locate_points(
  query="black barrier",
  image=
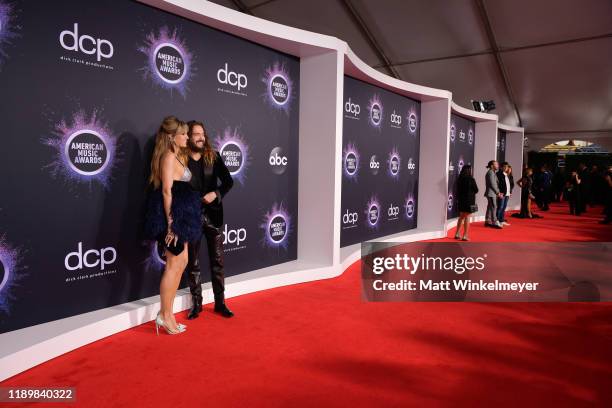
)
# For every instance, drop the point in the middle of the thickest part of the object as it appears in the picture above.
(85, 86)
(461, 152)
(380, 162)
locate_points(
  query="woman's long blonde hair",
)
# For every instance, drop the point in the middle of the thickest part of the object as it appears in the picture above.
(170, 126)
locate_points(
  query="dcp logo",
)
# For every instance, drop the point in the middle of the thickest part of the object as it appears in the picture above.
(393, 211)
(90, 259)
(352, 108)
(374, 164)
(350, 218)
(72, 41)
(278, 161)
(396, 119)
(461, 135)
(234, 236)
(227, 77)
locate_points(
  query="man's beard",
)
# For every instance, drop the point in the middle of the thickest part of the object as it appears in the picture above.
(195, 148)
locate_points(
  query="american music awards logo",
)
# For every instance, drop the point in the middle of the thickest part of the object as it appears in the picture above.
(277, 227)
(375, 110)
(471, 136)
(350, 161)
(394, 163)
(11, 272)
(413, 121)
(372, 213)
(169, 61)
(460, 164)
(450, 202)
(85, 149)
(409, 208)
(8, 29)
(279, 87)
(453, 132)
(234, 151)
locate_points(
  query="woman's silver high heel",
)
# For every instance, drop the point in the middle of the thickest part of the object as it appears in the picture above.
(160, 322)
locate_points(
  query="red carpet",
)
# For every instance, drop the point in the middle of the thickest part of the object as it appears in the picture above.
(318, 344)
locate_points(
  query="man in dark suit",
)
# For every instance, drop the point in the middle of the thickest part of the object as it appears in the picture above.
(505, 183)
(212, 179)
(492, 193)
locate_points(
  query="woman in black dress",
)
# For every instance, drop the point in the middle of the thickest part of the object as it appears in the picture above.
(173, 213)
(466, 200)
(526, 185)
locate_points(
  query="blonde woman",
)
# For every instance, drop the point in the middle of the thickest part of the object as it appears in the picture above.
(173, 213)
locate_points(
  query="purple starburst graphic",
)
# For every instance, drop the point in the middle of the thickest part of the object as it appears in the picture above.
(154, 261)
(8, 30)
(84, 150)
(277, 227)
(409, 207)
(350, 161)
(12, 271)
(169, 61)
(234, 151)
(394, 163)
(375, 110)
(460, 164)
(412, 123)
(453, 132)
(279, 87)
(372, 212)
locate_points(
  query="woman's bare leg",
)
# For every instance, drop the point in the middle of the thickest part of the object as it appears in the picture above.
(175, 265)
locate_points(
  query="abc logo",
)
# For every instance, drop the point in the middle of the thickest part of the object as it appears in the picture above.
(234, 236)
(374, 164)
(71, 41)
(352, 108)
(350, 218)
(278, 161)
(89, 259)
(224, 76)
(393, 211)
(376, 113)
(412, 122)
(411, 165)
(396, 119)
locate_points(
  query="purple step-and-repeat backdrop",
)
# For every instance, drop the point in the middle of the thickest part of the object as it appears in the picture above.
(85, 86)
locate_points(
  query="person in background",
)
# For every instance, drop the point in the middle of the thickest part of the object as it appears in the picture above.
(608, 197)
(584, 187)
(573, 193)
(492, 193)
(466, 200)
(526, 183)
(542, 185)
(558, 184)
(506, 184)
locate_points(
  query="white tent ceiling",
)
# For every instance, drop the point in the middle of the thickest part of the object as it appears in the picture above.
(547, 64)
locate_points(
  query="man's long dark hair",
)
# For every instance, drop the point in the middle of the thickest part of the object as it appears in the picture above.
(466, 171)
(208, 152)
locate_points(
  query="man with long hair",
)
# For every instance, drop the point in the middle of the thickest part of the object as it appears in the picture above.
(212, 180)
